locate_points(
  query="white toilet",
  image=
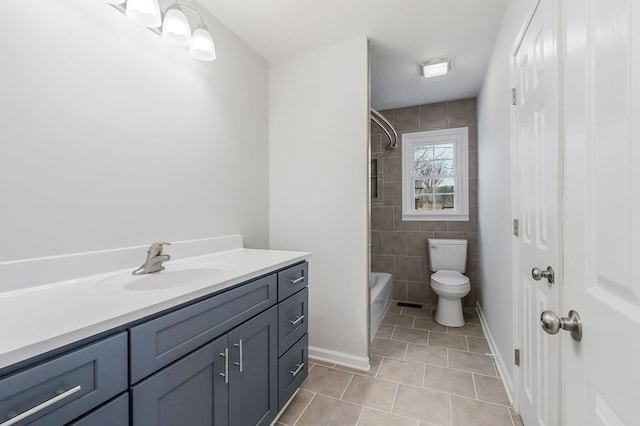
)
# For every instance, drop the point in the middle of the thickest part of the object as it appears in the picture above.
(448, 259)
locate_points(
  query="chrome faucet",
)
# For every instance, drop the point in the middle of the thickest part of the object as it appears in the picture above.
(154, 259)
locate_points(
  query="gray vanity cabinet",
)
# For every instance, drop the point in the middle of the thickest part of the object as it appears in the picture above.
(231, 359)
(230, 381)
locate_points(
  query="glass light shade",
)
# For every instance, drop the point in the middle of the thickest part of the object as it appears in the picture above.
(202, 47)
(144, 12)
(435, 67)
(175, 27)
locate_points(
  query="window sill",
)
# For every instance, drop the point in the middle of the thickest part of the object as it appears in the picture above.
(436, 217)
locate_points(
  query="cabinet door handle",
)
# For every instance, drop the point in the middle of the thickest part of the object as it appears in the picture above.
(41, 406)
(297, 320)
(225, 355)
(239, 364)
(300, 367)
(297, 280)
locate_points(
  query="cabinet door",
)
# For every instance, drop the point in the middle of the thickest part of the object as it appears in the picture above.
(190, 392)
(253, 381)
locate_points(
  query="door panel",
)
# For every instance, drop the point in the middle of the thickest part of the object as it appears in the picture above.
(602, 187)
(253, 392)
(538, 245)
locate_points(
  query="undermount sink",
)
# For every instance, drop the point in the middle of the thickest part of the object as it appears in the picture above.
(173, 276)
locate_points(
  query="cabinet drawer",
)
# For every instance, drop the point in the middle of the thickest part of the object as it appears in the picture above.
(293, 315)
(114, 413)
(292, 370)
(68, 386)
(163, 340)
(292, 280)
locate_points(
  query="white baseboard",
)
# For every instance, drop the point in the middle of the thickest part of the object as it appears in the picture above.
(339, 358)
(500, 363)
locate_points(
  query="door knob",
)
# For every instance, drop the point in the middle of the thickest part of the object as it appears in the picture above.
(539, 274)
(551, 324)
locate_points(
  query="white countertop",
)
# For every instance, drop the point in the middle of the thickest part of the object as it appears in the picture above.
(43, 316)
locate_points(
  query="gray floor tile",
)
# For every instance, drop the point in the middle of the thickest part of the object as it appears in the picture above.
(395, 319)
(416, 312)
(450, 381)
(427, 355)
(448, 341)
(410, 335)
(422, 404)
(468, 329)
(296, 407)
(370, 392)
(478, 345)
(325, 411)
(385, 331)
(409, 373)
(390, 348)
(428, 324)
(327, 381)
(491, 389)
(473, 363)
(377, 418)
(467, 412)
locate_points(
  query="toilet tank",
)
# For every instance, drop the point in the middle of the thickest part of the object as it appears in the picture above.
(450, 255)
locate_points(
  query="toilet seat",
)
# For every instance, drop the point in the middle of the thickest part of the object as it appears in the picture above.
(449, 278)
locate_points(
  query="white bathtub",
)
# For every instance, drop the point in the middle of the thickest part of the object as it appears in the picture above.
(381, 288)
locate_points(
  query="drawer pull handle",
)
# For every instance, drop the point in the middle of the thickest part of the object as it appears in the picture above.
(225, 354)
(295, 373)
(297, 280)
(297, 320)
(41, 406)
(237, 345)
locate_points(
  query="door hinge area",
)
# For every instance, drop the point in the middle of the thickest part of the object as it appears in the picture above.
(515, 227)
(516, 356)
(514, 96)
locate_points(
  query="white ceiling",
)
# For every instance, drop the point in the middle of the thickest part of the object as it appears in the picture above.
(401, 32)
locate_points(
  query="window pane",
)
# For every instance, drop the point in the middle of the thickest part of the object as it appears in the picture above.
(424, 202)
(424, 153)
(443, 152)
(444, 198)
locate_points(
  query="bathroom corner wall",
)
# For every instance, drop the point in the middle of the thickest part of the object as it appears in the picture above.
(400, 247)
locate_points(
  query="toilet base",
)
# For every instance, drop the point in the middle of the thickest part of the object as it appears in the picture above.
(449, 312)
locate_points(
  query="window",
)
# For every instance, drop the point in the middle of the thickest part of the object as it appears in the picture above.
(435, 174)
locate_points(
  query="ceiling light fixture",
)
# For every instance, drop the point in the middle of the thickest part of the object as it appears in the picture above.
(434, 67)
(174, 27)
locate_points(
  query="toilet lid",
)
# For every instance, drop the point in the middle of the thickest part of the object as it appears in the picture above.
(450, 278)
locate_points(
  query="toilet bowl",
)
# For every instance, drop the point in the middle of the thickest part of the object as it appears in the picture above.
(451, 287)
(447, 259)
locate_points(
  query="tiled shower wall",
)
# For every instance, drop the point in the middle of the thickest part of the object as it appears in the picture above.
(400, 247)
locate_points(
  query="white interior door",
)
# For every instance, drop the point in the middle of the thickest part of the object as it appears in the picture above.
(602, 210)
(537, 198)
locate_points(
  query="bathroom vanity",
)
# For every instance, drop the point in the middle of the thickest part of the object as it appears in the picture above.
(226, 348)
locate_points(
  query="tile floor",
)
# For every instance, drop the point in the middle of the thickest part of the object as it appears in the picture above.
(422, 374)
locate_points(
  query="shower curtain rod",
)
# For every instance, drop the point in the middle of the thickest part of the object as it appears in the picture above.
(386, 127)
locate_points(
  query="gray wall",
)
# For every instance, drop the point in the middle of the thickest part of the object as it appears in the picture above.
(400, 247)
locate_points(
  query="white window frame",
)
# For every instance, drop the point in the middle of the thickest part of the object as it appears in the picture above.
(459, 136)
